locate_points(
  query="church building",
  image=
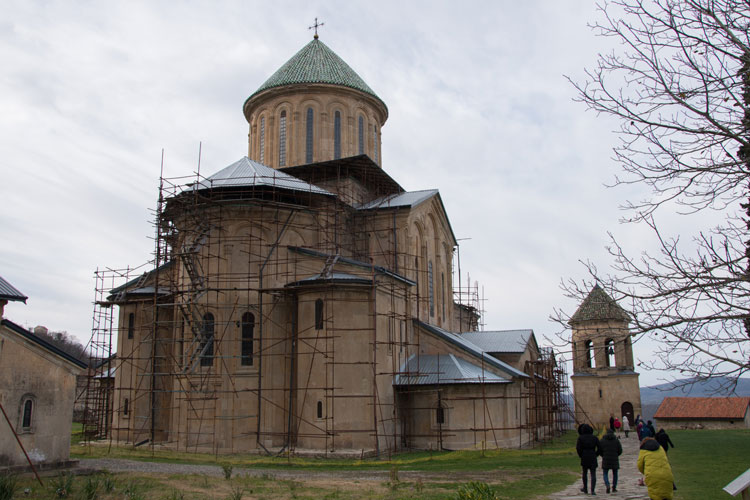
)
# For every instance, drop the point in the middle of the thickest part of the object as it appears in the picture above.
(302, 300)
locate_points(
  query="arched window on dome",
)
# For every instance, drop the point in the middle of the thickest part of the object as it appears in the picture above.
(282, 139)
(263, 139)
(337, 135)
(361, 135)
(309, 136)
(375, 143)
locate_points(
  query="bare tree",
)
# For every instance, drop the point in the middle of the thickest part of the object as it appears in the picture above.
(680, 84)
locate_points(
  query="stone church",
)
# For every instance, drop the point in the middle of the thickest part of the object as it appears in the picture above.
(302, 300)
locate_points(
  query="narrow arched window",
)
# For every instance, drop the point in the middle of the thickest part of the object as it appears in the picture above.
(320, 409)
(442, 287)
(263, 139)
(440, 415)
(609, 346)
(590, 358)
(337, 135)
(131, 325)
(361, 135)
(248, 327)
(126, 407)
(207, 340)
(282, 139)
(431, 288)
(319, 314)
(28, 409)
(375, 143)
(309, 136)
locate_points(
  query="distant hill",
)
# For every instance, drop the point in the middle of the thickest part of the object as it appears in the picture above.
(651, 397)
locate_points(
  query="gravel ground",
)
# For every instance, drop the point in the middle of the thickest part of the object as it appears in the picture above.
(123, 465)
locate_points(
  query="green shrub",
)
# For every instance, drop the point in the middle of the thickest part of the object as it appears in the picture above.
(108, 483)
(475, 491)
(8, 486)
(175, 495)
(62, 484)
(227, 468)
(236, 494)
(91, 488)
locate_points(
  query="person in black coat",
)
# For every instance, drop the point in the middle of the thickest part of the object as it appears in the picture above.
(648, 430)
(611, 449)
(663, 439)
(588, 449)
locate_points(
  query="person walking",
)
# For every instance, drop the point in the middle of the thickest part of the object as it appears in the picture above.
(651, 431)
(639, 430)
(625, 425)
(617, 425)
(587, 448)
(611, 449)
(654, 465)
(612, 421)
(663, 439)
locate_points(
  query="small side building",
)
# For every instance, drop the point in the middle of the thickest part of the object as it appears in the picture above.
(37, 389)
(703, 413)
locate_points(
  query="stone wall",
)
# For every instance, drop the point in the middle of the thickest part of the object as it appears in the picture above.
(28, 372)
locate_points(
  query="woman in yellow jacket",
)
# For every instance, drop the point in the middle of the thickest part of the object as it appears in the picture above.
(653, 463)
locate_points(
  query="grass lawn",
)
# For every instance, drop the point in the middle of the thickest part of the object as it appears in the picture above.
(705, 461)
(512, 474)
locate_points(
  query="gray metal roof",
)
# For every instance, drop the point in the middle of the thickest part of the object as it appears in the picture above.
(246, 172)
(342, 278)
(500, 341)
(434, 369)
(353, 262)
(9, 292)
(408, 199)
(472, 349)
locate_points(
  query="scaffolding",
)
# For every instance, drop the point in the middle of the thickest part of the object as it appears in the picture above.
(272, 309)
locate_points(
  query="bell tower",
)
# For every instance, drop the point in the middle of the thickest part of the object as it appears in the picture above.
(604, 379)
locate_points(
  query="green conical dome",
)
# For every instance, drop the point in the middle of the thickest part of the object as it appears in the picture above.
(316, 63)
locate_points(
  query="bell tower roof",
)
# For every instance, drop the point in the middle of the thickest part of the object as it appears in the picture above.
(599, 306)
(316, 63)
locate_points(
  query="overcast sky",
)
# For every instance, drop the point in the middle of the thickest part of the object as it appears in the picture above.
(90, 93)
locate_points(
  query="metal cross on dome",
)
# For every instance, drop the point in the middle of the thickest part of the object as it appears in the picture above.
(315, 26)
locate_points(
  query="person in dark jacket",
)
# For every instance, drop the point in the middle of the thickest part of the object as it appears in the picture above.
(647, 430)
(588, 449)
(651, 430)
(663, 439)
(611, 449)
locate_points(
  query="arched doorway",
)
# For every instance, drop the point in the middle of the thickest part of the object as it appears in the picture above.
(626, 409)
